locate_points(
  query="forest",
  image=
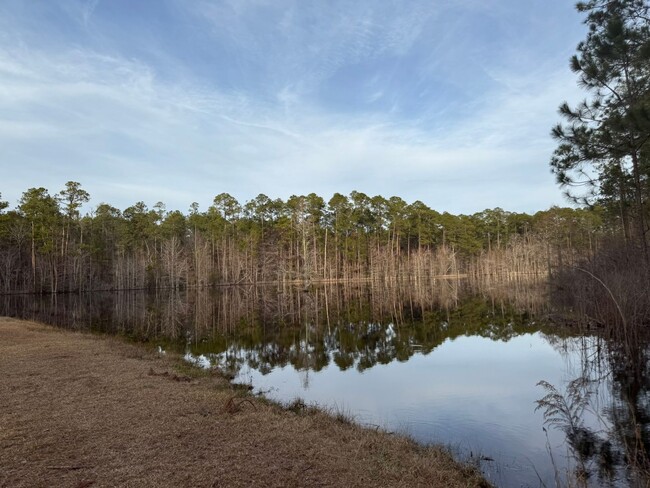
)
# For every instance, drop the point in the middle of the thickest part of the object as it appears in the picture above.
(47, 246)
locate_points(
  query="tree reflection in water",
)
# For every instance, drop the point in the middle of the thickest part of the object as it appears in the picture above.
(265, 327)
(604, 411)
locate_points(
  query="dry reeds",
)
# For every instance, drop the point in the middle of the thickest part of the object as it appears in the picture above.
(610, 291)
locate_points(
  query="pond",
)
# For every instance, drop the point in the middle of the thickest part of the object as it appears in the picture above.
(443, 363)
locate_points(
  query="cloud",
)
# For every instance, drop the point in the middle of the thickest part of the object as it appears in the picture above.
(127, 132)
(304, 44)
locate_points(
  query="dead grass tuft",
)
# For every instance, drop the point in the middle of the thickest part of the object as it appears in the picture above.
(173, 377)
(234, 405)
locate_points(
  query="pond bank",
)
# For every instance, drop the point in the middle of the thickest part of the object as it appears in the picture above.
(82, 410)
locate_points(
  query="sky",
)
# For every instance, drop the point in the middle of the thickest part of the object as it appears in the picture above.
(449, 102)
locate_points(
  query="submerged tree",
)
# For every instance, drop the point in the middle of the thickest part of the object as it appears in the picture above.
(603, 145)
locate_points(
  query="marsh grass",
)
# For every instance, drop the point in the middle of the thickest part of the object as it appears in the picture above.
(341, 414)
(608, 295)
(608, 291)
(604, 454)
(565, 411)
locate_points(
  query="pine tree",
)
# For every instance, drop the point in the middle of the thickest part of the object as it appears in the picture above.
(604, 144)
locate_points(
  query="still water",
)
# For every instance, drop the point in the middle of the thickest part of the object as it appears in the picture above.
(442, 363)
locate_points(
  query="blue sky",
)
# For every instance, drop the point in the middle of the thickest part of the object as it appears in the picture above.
(445, 101)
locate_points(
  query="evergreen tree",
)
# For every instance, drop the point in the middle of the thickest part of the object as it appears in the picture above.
(603, 146)
(3, 204)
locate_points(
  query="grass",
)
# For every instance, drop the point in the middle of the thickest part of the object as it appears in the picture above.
(299, 407)
(108, 413)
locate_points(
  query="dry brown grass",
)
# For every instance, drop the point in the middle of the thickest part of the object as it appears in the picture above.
(78, 410)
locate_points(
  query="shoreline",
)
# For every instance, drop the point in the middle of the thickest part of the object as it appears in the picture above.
(80, 410)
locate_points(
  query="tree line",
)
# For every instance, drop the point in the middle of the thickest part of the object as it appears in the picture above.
(47, 245)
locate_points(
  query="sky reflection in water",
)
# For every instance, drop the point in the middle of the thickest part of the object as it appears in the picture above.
(472, 393)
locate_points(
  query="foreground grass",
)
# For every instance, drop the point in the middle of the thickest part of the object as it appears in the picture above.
(80, 410)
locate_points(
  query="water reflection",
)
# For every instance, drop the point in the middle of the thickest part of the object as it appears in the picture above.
(353, 327)
(603, 411)
(446, 362)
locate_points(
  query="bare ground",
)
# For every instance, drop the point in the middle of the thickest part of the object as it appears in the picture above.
(78, 410)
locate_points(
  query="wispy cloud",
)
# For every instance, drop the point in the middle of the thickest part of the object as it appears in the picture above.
(87, 11)
(127, 131)
(303, 44)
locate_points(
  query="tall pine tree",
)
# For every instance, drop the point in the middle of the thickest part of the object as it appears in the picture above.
(604, 142)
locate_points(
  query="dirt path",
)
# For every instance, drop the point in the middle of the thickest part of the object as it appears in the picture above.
(78, 410)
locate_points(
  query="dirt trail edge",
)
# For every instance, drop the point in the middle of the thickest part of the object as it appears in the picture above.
(79, 410)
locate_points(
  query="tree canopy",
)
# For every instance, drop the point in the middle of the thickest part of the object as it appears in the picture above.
(603, 152)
